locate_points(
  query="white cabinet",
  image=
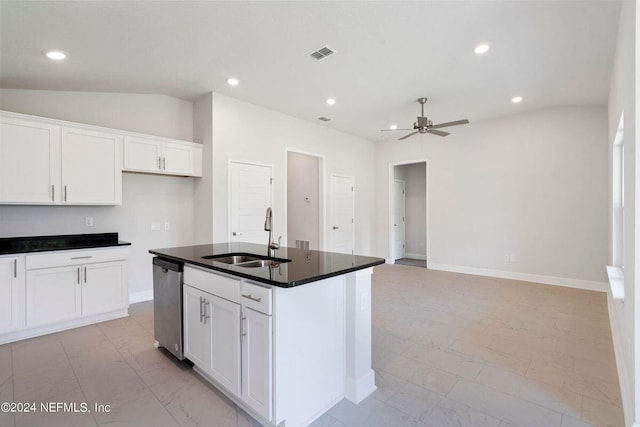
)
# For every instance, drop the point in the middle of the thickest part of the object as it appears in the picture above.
(53, 295)
(67, 285)
(225, 342)
(12, 310)
(91, 167)
(44, 162)
(162, 156)
(103, 287)
(256, 361)
(29, 161)
(197, 333)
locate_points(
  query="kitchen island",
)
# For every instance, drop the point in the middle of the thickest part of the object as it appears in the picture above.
(286, 336)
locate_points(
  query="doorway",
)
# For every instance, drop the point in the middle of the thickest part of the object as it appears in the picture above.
(408, 219)
(305, 200)
(250, 194)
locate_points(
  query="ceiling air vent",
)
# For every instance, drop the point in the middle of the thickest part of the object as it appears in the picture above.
(323, 52)
(324, 119)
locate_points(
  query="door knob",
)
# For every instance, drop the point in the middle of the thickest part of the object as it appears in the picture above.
(335, 228)
(237, 233)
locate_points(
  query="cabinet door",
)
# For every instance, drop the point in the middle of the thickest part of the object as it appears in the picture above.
(197, 334)
(29, 162)
(225, 342)
(12, 311)
(177, 159)
(104, 287)
(91, 167)
(256, 362)
(53, 294)
(142, 155)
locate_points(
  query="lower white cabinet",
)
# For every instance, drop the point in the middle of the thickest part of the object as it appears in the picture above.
(197, 333)
(53, 295)
(228, 340)
(50, 291)
(12, 301)
(256, 362)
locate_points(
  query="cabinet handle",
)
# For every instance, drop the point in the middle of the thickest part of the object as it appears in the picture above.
(159, 165)
(243, 330)
(78, 271)
(85, 275)
(252, 298)
(65, 193)
(82, 257)
(164, 163)
(15, 268)
(206, 316)
(53, 192)
(201, 315)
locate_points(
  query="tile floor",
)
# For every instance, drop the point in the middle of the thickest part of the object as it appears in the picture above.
(448, 350)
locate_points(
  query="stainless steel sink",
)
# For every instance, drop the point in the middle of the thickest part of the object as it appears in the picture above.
(246, 260)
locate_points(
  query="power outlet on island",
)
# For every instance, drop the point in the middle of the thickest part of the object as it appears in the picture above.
(88, 221)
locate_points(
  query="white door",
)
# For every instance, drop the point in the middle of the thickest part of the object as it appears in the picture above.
(12, 313)
(53, 294)
(197, 333)
(225, 342)
(29, 162)
(256, 362)
(103, 287)
(91, 167)
(398, 219)
(250, 196)
(342, 214)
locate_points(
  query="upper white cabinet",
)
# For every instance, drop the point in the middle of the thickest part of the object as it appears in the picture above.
(52, 162)
(91, 167)
(29, 161)
(42, 162)
(161, 156)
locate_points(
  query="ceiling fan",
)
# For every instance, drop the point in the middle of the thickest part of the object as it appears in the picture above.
(424, 125)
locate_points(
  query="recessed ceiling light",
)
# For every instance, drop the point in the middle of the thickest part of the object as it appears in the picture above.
(393, 127)
(481, 48)
(516, 99)
(330, 101)
(56, 55)
(232, 81)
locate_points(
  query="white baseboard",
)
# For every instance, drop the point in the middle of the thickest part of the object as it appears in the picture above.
(415, 256)
(141, 296)
(617, 331)
(526, 277)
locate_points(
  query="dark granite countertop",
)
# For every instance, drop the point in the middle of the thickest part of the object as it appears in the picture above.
(305, 266)
(16, 245)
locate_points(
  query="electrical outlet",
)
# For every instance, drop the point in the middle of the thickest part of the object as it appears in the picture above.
(167, 226)
(506, 257)
(88, 221)
(155, 226)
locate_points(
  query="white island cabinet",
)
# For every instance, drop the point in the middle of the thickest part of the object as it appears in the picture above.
(11, 293)
(285, 355)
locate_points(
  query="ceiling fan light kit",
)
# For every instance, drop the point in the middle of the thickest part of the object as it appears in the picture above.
(423, 125)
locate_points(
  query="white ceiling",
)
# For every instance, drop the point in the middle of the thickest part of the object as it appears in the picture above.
(388, 54)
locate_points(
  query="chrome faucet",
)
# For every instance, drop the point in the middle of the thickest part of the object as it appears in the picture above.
(268, 226)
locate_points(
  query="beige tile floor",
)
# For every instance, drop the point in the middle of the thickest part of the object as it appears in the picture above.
(448, 350)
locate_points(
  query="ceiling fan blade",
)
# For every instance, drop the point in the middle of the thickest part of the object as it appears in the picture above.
(456, 123)
(438, 132)
(392, 130)
(407, 136)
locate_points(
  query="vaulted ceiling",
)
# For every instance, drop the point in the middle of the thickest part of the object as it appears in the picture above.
(388, 54)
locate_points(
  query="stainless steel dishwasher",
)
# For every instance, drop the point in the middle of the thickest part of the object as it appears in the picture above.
(167, 305)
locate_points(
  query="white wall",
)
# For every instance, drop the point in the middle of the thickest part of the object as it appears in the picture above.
(303, 199)
(146, 198)
(533, 185)
(244, 131)
(202, 194)
(625, 96)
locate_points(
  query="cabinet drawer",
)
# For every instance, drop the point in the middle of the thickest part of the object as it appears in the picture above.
(75, 257)
(213, 283)
(256, 297)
